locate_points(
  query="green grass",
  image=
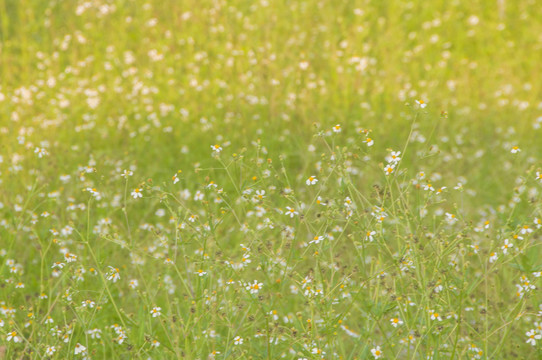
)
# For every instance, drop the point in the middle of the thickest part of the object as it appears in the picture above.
(100, 87)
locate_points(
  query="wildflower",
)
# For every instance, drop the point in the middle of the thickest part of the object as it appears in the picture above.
(388, 170)
(435, 315)
(421, 104)
(451, 218)
(254, 287)
(133, 283)
(94, 333)
(155, 343)
(41, 152)
(526, 230)
(396, 322)
(137, 193)
(475, 248)
(113, 274)
(539, 176)
(175, 177)
(515, 150)
(506, 246)
(238, 340)
(50, 350)
(199, 196)
(394, 157)
(312, 180)
(290, 211)
(88, 303)
(538, 223)
(13, 336)
(201, 273)
(493, 257)
(428, 187)
(316, 240)
(377, 353)
(155, 312)
(127, 173)
(80, 349)
(337, 128)
(533, 336)
(370, 235)
(216, 148)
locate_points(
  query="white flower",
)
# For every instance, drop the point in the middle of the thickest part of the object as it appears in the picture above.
(80, 349)
(337, 128)
(113, 274)
(396, 322)
(539, 176)
(137, 193)
(13, 336)
(435, 315)
(394, 157)
(370, 235)
(216, 148)
(50, 350)
(155, 343)
(369, 141)
(155, 312)
(238, 340)
(254, 287)
(533, 336)
(421, 103)
(377, 353)
(388, 170)
(316, 240)
(198, 196)
(526, 230)
(41, 152)
(515, 150)
(507, 245)
(127, 173)
(290, 211)
(451, 218)
(312, 180)
(493, 257)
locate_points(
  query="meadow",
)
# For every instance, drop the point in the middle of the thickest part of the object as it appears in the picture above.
(270, 179)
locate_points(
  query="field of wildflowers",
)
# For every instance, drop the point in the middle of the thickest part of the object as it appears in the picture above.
(270, 179)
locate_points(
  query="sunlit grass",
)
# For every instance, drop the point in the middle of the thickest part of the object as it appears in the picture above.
(270, 179)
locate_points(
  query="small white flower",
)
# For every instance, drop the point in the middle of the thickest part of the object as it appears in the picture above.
(127, 173)
(238, 340)
(515, 149)
(388, 170)
(396, 322)
(50, 350)
(291, 212)
(421, 104)
(13, 336)
(377, 353)
(113, 274)
(216, 148)
(155, 312)
(80, 349)
(137, 193)
(337, 128)
(312, 180)
(507, 245)
(255, 287)
(533, 336)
